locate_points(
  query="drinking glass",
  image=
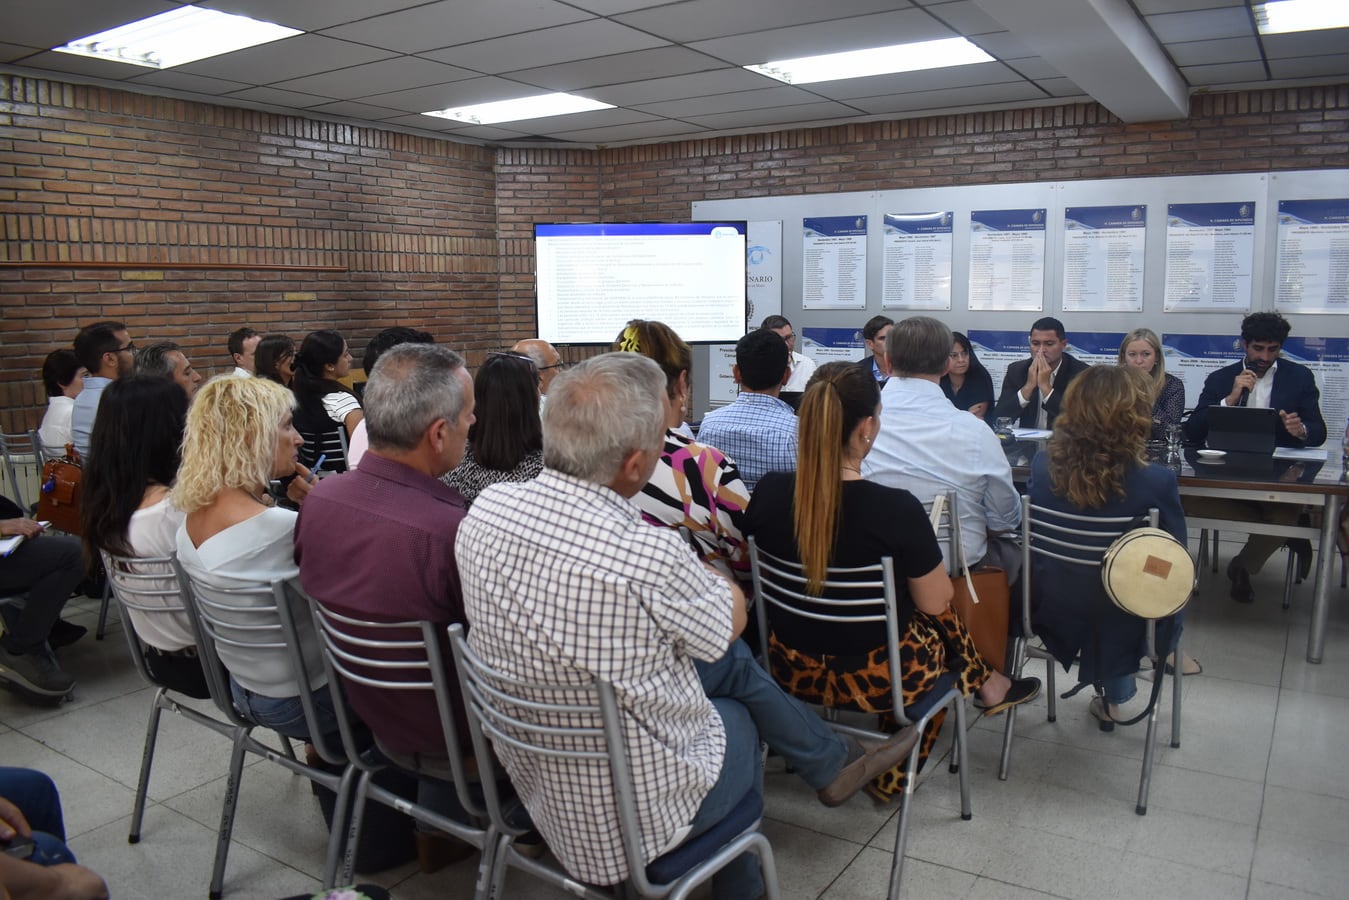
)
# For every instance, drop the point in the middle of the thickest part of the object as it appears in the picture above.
(1003, 425)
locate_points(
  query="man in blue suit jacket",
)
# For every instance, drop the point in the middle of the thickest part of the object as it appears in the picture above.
(1260, 379)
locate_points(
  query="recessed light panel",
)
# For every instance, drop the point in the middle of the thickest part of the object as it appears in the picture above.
(176, 37)
(1283, 16)
(522, 108)
(876, 61)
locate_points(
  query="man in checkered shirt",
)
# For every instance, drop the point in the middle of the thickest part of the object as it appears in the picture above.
(563, 583)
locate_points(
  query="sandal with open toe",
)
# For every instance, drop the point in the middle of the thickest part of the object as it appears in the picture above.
(1101, 711)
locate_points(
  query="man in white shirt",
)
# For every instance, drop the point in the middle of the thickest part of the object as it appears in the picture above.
(802, 366)
(926, 446)
(243, 343)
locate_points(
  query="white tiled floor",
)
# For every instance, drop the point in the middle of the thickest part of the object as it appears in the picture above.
(1254, 804)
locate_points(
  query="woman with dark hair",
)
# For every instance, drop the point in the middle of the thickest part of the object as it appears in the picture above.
(63, 378)
(967, 383)
(505, 442)
(694, 485)
(1095, 465)
(128, 511)
(824, 515)
(274, 358)
(327, 410)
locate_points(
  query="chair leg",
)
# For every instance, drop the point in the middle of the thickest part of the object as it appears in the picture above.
(1150, 748)
(1288, 579)
(222, 847)
(1004, 762)
(496, 878)
(1176, 681)
(147, 758)
(1215, 551)
(1201, 559)
(902, 832)
(962, 752)
(1053, 697)
(337, 832)
(286, 748)
(353, 826)
(103, 610)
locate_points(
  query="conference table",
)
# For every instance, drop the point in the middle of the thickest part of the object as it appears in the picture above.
(1264, 479)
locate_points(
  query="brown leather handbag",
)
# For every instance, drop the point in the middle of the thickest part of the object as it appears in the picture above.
(60, 493)
(982, 600)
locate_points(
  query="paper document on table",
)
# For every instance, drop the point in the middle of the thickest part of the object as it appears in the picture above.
(1308, 453)
(1031, 434)
(9, 545)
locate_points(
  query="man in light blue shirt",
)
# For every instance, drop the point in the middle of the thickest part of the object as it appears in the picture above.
(758, 430)
(926, 446)
(106, 351)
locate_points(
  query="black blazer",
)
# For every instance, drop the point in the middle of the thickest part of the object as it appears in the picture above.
(1294, 391)
(865, 364)
(1009, 404)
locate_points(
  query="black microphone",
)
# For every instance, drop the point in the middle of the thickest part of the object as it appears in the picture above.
(1245, 393)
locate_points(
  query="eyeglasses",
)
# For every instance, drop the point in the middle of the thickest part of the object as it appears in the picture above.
(501, 354)
(129, 348)
(557, 365)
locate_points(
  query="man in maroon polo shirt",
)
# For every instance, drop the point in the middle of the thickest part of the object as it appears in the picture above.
(377, 543)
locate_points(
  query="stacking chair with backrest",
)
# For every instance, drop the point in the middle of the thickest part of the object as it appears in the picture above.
(400, 658)
(216, 628)
(23, 459)
(583, 723)
(780, 591)
(1082, 541)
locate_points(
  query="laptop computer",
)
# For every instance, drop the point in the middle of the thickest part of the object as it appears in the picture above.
(1242, 429)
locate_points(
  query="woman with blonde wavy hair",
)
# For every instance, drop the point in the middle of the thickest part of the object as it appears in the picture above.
(694, 485)
(1142, 350)
(1095, 465)
(240, 435)
(825, 514)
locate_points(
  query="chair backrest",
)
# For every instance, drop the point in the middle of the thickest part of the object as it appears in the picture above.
(865, 594)
(23, 458)
(149, 586)
(1070, 538)
(578, 722)
(948, 533)
(321, 439)
(398, 657)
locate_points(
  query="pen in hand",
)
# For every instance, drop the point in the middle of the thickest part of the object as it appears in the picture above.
(318, 464)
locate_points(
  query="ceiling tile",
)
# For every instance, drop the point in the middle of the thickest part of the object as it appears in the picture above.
(55, 23)
(1310, 66)
(699, 84)
(451, 22)
(457, 93)
(1326, 42)
(304, 54)
(579, 40)
(380, 77)
(1152, 7)
(951, 100)
(1032, 67)
(1202, 25)
(50, 60)
(353, 110)
(597, 118)
(660, 128)
(965, 17)
(786, 95)
(785, 115)
(14, 52)
(1061, 87)
(277, 97)
(1003, 45)
(913, 82)
(698, 20)
(617, 69)
(1207, 53)
(618, 7)
(901, 27)
(309, 15)
(1226, 73)
(174, 80)
(490, 133)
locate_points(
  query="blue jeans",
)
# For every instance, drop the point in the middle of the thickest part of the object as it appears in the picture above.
(36, 797)
(1122, 688)
(753, 708)
(285, 714)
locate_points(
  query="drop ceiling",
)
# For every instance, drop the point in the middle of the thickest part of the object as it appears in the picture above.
(672, 70)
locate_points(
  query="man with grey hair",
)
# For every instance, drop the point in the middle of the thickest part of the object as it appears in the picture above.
(565, 583)
(926, 446)
(167, 360)
(377, 542)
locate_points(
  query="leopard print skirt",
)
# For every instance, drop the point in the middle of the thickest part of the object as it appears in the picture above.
(931, 646)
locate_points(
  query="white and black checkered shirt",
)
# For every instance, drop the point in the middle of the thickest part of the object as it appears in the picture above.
(563, 582)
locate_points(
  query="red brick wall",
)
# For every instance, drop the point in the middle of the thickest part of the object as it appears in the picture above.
(439, 234)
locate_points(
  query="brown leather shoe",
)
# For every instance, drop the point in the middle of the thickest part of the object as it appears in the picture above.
(867, 758)
(1241, 592)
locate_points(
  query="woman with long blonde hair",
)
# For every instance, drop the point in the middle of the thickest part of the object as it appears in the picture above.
(1095, 464)
(824, 515)
(1142, 350)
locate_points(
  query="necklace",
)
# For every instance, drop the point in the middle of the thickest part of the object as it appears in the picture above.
(851, 469)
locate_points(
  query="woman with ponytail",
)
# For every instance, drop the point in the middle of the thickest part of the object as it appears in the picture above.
(325, 406)
(694, 486)
(826, 515)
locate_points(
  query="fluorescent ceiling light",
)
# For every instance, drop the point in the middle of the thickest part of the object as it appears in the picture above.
(1282, 16)
(876, 61)
(522, 108)
(179, 36)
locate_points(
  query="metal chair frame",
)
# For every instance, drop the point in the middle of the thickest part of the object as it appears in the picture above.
(489, 697)
(22, 450)
(781, 584)
(1058, 535)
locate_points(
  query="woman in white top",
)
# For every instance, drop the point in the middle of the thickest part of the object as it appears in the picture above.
(127, 511)
(63, 377)
(326, 406)
(240, 435)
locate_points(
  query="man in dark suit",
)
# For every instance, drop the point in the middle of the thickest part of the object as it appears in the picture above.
(1262, 379)
(874, 333)
(1032, 389)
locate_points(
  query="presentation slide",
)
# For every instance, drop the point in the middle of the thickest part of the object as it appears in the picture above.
(592, 278)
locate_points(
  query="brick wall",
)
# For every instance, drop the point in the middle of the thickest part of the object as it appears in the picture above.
(439, 234)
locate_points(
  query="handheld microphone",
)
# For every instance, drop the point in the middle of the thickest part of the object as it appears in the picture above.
(1245, 393)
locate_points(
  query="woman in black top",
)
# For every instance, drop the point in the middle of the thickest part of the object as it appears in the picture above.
(825, 515)
(967, 383)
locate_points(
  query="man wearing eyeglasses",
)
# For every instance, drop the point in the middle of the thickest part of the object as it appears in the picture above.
(546, 359)
(107, 352)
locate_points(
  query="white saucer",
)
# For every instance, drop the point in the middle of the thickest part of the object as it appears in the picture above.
(1211, 454)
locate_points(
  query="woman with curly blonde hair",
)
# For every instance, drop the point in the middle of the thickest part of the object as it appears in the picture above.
(240, 435)
(1095, 465)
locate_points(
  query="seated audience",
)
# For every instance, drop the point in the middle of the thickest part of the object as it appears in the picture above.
(128, 511)
(694, 486)
(967, 383)
(385, 340)
(825, 515)
(63, 378)
(505, 438)
(166, 359)
(243, 345)
(45, 568)
(239, 436)
(1032, 389)
(562, 583)
(802, 366)
(927, 447)
(874, 334)
(325, 407)
(1142, 350)
(274, 358)
(35, 863)
(107, 353)
(1095, 465)
(546, 359)
(758, 430)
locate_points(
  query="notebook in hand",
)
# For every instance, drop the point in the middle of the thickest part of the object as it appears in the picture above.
(1243, 429)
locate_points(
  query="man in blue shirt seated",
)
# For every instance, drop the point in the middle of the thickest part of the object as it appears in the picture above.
(758, 430)
(107, 352)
